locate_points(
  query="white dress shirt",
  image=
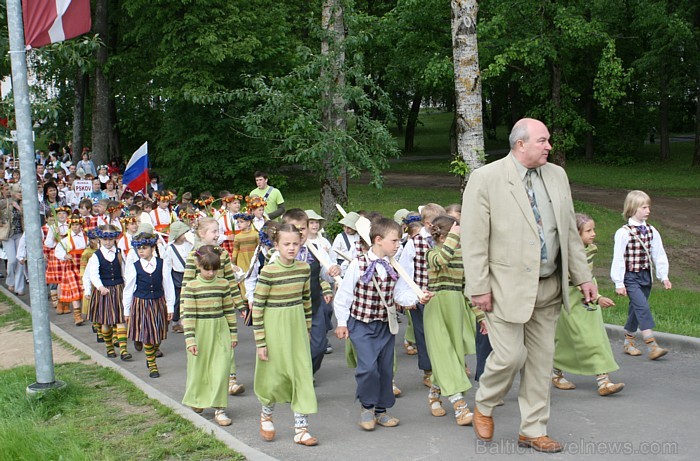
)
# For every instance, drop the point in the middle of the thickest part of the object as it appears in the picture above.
(183, 250)
(339, 244)
(91, 277)
(50, 240)
(404, 295)
(149, 267)
(657, 253)
(79, 243)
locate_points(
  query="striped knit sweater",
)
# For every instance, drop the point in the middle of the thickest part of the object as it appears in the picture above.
(244, 246)
(207, 299)
(446, 271)
(225, 272)
(281, 286)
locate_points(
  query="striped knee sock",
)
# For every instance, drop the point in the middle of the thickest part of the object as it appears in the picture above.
(98, 330)
(107, 335)
(150, 351)
(121, 337)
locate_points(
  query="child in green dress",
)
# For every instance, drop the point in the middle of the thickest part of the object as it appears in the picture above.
(281, 323)
(209, 321)
(582, 345)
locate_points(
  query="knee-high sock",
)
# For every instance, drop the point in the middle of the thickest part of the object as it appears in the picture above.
(150, 351)
(107, 335)
(121, 337)
(98, 330)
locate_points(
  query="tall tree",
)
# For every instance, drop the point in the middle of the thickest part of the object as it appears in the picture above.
(469, 119)
(101, 129)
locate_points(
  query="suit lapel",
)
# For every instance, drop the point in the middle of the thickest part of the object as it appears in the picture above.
(518, 191)
(552, 190)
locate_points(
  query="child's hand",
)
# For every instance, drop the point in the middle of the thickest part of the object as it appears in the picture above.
(126, 319)
(483, 328)
(328, 298)
(262, 353)
(605, 302)
(192, 350)
(334, 270)
(21, 261)
(104, 290)
(234, 344)
(409, 308)
(170, 317)
(69, 257)
(341, 332)
(667, 284)
(621, 291)
(426, 297)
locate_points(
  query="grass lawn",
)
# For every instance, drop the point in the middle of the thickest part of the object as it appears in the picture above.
(99, 415)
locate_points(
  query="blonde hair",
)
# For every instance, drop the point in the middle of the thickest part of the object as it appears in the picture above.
(634, 200)
(431, 211)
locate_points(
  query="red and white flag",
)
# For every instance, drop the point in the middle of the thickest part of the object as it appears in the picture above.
(51, 21)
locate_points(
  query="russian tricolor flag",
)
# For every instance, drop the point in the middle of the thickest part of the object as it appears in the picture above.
(136, 173)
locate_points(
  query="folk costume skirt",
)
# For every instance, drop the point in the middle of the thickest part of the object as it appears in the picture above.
(107, 309)
(149, 320)
(287, 375)
(71, 285)
(450, 334)
(207, 372)
(581, 343)
(54, 267)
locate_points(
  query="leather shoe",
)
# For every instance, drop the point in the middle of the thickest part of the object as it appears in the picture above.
(542, 443)
(483, 425)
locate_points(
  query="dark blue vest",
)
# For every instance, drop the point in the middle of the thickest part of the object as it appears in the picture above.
(110, 272)
(149, 286)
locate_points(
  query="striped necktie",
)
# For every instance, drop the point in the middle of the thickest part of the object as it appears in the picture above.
(536, 211)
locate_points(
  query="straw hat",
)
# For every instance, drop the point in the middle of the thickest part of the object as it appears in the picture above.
(350, 219)
(400, 214)
(313, 215)
(177, 229)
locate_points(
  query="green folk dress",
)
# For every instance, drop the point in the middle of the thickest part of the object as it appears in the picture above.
(209, 321)
(582, 346)
(281, 323)
(450, 325)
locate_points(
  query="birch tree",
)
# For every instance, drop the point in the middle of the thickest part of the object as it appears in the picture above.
(470, 132)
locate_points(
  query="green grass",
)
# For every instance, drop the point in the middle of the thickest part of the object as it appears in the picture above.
(98, 415)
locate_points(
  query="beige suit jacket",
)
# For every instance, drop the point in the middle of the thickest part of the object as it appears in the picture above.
(500, 243)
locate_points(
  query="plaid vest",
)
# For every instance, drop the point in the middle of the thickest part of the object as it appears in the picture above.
(636, 259)
(367, 306)
(420, 262)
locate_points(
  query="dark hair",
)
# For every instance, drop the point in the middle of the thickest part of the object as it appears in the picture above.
(187, 196)
(224, 193)
(86, 202)
(260, 174)
(208, 257)
(441, 226)
(134, 209)
(48, 186)
(285, 228)
(381, 228)
(295, 214)
(127, 194)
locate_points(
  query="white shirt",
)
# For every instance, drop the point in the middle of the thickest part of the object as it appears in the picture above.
(79, 240)
(124, 243)
(226, 220)
(258, 223)
(345, 294)
(91, 277)
(160, 216)
(183, 250)
(403, 293)
(22, 248)
(339, 244)
(657, 253)
(50, 240)
(149, 267)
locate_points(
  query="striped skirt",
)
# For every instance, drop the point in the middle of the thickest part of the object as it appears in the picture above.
(149, 320)
(107, 309)
(71, 284)
(54, 268)
(228, 246)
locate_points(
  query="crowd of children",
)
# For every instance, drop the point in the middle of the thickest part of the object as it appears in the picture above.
(135, 272)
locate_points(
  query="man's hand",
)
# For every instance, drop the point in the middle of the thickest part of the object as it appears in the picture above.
(341, 332)
(622, 291)
(334, 270)
(483, 302)
(328, 298)
(589, 290)
(483, 328)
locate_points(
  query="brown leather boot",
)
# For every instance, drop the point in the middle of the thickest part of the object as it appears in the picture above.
(655, 351)
(462, 413)
(54, 298)
(78, 317)
(629, 346)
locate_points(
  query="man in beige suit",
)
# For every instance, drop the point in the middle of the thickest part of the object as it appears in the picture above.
(520, 245)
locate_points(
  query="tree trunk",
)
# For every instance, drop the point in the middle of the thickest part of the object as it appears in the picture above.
(81, 80)
(696, 155)
(557, 154)
(114, 144)
(412, 121)
(334, 184)
(588, 109)
(665, 151)
(465, 53)
(100, 109)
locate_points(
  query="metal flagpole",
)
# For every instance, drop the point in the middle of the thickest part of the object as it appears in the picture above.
(43, 354)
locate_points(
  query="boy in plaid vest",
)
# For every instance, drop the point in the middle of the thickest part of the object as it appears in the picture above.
(415, 263)
(638, 248)
(361, 309)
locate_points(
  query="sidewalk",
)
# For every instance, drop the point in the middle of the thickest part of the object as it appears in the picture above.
(655, 414)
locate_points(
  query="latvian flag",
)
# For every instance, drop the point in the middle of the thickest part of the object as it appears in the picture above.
(51, 21)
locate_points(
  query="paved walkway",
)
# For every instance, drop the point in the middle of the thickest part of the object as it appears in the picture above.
(657, 411)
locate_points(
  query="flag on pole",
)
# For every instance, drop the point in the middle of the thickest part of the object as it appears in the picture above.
(136, 173)
(51, 21)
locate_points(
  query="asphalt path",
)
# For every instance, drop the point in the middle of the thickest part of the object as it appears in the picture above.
(654, 417)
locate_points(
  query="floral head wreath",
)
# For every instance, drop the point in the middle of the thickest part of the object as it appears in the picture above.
(76, 219)
(185, 215)
(129, 219)
(246, 216)
(102, 167)
(411, 219)
(206, 202)
(64, 209)
(264, 238)
(165, 196)
(112, 209)
(144, 242)
(106, 235)
(255, 202)
(232, 198)
(92, 234)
